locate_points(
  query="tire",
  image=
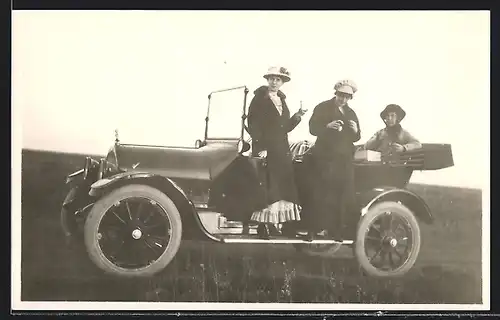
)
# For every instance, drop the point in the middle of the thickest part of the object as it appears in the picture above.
(100, 233)
(391, 240)
(323, 250)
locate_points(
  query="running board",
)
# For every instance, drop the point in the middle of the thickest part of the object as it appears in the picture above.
(286, 241)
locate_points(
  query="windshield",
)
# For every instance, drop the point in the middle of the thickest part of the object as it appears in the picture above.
(226, 109)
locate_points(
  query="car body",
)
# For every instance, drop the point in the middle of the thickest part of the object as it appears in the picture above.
(195, 188)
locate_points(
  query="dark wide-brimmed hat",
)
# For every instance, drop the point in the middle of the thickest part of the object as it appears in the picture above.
(393, 108)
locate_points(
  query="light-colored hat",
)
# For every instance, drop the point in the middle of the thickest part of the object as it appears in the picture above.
(346, 86)
(278, 71)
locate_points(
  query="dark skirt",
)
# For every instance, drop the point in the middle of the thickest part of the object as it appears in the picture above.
(332, 200)
(282, 197)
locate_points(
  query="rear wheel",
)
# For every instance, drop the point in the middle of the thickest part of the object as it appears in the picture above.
(326, 250)
(135, 231)
(388, 240)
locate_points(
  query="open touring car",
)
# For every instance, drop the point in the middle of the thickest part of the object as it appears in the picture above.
(132, 208)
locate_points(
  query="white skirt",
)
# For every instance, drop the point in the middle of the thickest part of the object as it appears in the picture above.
(278, 212)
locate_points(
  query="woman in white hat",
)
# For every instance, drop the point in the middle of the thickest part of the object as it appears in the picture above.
(336, 127)
(269, 122)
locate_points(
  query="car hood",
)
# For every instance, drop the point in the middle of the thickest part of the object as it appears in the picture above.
(204, 163)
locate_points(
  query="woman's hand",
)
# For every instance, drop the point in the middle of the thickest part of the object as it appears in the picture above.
(335, 124)
(361, 148)
(352, 124)
(263, 154)
(397, 147)
(301, 112)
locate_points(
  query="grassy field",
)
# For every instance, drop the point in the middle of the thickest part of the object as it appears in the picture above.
(448, 269)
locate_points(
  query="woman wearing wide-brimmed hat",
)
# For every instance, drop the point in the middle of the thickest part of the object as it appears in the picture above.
(269, 122)
(336, 127)
(393, 138)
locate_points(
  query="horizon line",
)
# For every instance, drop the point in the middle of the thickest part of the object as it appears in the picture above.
(102, 155)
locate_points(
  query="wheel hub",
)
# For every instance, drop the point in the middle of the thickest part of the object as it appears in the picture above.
(393, 242)
(136, 234)
(389, 242)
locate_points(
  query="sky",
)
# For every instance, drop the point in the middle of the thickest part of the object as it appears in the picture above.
(79, 75)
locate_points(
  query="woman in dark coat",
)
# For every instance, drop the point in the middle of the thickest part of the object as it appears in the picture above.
(336, 127)
(269, 122)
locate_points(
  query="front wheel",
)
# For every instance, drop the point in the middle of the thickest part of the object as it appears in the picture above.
(135, 231)
(388, 240)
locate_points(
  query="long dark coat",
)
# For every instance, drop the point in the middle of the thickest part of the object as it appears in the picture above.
(269, 131)
(330, 162)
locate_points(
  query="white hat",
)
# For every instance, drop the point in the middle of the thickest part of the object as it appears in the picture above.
(346, 86)
(278, 71)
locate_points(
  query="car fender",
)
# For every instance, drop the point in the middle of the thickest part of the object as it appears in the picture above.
(76, 203)
(78, 188)
(411, 200)
(192, 226)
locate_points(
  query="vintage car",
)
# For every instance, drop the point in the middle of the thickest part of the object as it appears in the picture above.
(132, 208)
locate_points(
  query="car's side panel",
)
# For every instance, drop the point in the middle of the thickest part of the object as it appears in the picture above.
(240, 189)
(411, 200)
(367, 177)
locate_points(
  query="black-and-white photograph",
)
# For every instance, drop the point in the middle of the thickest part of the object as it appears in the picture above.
(257, 160)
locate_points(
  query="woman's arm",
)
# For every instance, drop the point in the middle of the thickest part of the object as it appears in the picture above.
(410, 142)
(374, 142)
(355, 136)
(293, 122)
(317, 123)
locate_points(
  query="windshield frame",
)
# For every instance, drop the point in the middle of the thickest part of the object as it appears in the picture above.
(243, 114)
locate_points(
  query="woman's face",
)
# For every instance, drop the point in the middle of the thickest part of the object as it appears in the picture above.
(391, 119)
(342, 98)
(274, 82)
